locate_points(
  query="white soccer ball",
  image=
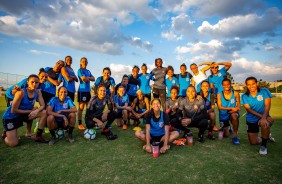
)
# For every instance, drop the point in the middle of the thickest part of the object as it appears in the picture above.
(89, 134)
(60, 133)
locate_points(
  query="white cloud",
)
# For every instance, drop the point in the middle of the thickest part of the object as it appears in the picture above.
(137, 42)
(243, 25)
(40, 52)
(169, 35)
(200, 46)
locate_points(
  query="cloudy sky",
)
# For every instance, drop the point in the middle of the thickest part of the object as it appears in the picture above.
(122, 33)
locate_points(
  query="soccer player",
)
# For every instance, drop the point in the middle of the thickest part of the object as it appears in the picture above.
(144, 81)
(198, 75)
(159, 87)
(83, 97)
(228, 102)
(157, 129)
(184, 79)
(69, 77)
(122, 109)
(107, 81)
(124, 83)
(133, 83)
(257, 102)
(191, 113)
(97, 114)
(171, 80)
(208, 96)
(22, 110)
(61, 114)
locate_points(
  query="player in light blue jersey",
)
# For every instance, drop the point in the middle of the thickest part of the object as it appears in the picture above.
(83, 95)
(107, 81)
(144, 81)
(228, 102)
(184, 79)
(69, 77)
(217, 75)
(133, 83)
(257, 102)
(171, 80)
(61, 114)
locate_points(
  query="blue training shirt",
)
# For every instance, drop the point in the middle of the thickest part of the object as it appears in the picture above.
(170, 83)
(184, 82)
(48, 86)
(108, 83)
(121, 101)
(256, 103)
(70, 86)
(84, 86)
(144, 83)
(223, 114)
(57, 106)
(22, 84)
(217, 79)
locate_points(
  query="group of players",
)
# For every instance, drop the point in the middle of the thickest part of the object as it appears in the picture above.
(180, 101)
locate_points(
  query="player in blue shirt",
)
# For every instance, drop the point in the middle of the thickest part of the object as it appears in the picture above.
(107, 81)
(133, 83)
(83, 92)
(22, 110)
(184, 79)
(69, 77)
(124, 83)
(217, 75)
(61, 114)
(228, 102)
(171, 80)
(122, 109)
(257, 102)
(208, 96)
(54, 79)
(144, 81)
(157, 129)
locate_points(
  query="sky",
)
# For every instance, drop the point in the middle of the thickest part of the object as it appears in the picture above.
(120, 34)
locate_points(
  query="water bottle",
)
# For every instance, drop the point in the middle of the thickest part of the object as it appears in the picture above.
(189, 139)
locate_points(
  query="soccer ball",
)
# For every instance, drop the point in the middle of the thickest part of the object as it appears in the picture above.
(60, 133)
(89, 134)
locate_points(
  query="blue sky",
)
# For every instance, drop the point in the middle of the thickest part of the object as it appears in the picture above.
(120, 34)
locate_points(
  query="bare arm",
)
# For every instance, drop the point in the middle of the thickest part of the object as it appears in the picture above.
(55, 82)
(66, 75)
(226, 64)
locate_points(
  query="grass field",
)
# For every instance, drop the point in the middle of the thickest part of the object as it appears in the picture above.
(124, 161)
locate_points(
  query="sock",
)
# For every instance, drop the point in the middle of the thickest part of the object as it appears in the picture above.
(39, 132)
(71, 130)
(124, 122)
(52, 132)
(263, 142)
(79, 122)
(210, 128)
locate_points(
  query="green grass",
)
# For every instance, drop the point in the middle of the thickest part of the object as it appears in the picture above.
(124, 161)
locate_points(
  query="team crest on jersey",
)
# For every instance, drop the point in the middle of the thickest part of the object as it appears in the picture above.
(84, 98)
(10, 126)
(196, 107)
(65, 105)
(147, 77)
(208, 103)
(104, 102)
(176, 104)
(187, 79)
(173, 81)
(219, 75)
(259, 98)
(232, 101)
(161, 124)
(163, 71)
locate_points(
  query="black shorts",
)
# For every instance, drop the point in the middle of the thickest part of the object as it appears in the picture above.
(226, 123)
(156, 138)
(47, 97)
(8, 101)
(71, 95)
(60, 124)
(12, 124)
(159, 92)
(83, 96)
(252, 127)
(118, 114)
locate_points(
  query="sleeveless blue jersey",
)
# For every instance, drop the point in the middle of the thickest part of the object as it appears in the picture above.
(84, 86)
(170, 83)
(256, 103)
(144, 83)
(133, 85)
(70, 86)
(108, 83)
(157, 128)
(48, 86)
(184, 82)
(57, 106)
(217, 79)
(26, 104)
(223, 114)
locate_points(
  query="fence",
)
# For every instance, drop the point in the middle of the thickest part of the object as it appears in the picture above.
(9, 79)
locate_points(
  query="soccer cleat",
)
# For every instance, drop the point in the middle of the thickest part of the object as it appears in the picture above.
(124, 127)
(179, 142)
(97, 127)
(81, 127)
(263, 150)
(40, 139)
(109, 135)
(36, 127)
(271, 138)
(210, 136)
(235, 140)
(46, 130)
(201, 139)
(70, 138)
(214, 128)
(52, 141)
